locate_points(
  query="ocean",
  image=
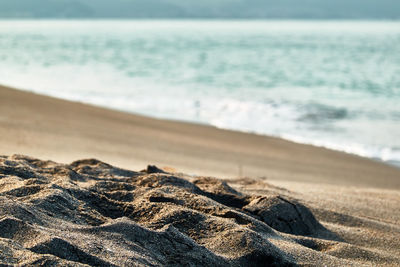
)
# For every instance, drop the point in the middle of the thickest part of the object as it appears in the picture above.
(334, 84)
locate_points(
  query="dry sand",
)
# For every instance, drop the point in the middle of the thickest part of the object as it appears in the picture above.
(303, 205)
(89, 212)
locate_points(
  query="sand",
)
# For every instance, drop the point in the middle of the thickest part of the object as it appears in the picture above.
(302, 205)
(89, 212)
(64, 131)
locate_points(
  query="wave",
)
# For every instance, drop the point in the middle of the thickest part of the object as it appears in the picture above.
(330, 88)
(315, 124)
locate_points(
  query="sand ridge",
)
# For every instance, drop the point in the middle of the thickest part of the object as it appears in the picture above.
(92, 213)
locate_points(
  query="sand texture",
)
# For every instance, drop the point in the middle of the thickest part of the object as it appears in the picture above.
(91, 213)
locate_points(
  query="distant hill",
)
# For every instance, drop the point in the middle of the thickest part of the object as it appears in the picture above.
(277, 9)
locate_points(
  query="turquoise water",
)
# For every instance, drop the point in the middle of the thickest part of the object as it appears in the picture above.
(332, 84)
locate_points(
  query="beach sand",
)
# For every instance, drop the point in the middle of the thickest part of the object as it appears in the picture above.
(64, 131)
(279, 202)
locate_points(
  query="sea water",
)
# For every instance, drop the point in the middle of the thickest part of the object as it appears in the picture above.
(329, 83)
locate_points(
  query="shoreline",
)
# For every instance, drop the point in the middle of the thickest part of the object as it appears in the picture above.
(61, 130)
(316, 144)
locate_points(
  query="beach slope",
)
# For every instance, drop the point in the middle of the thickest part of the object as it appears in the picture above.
(64, 131)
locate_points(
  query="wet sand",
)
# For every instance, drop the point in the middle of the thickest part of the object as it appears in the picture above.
(64, 131)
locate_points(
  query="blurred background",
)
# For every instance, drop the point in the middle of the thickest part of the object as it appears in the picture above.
(312, 71)
(251, 9)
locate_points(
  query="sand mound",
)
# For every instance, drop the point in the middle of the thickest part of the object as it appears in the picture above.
(91, 213)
